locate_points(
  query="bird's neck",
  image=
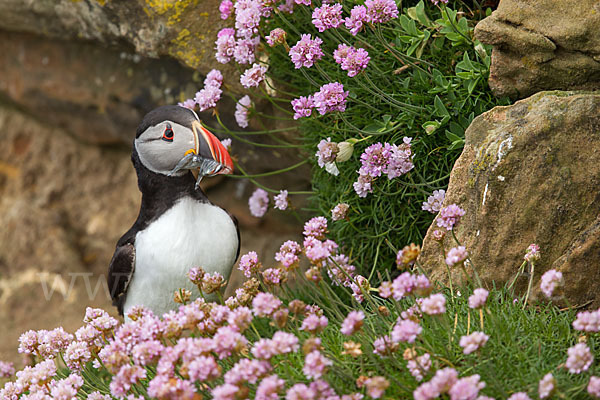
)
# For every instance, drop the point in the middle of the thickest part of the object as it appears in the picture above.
(161, 192)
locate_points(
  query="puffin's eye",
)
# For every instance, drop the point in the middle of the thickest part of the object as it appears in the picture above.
(168, 134)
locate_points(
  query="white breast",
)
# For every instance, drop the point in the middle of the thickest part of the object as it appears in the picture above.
(190, 234)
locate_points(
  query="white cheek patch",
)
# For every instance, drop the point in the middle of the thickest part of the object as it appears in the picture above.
(161, 156)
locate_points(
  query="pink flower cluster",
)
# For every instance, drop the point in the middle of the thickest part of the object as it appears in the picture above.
(587, 321)
(351, 59)
(434, 202)
(327, 16)
(258, 203)
(378, 159)
(331, 97)
(208, 96)
(551, 280)
(306, 51)
(473, 342)
(405, 284)
(450, 216)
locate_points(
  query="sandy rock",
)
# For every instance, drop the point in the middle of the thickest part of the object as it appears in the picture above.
(529, 173)
(542, 45)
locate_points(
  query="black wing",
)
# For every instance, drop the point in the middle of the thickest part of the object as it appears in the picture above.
(120, 273)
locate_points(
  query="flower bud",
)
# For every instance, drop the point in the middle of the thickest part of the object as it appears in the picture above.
(345, 150)
(182, 296)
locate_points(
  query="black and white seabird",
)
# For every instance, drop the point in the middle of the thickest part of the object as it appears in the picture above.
(178, 227)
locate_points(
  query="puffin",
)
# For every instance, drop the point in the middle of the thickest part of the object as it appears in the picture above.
(177, 227)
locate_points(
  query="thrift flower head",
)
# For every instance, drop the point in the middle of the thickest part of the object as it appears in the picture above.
(444, 379)
(587, 321)
(315, 365)
(244, 50)
(253, 76)
(6, 369)
(354, 23)
(466, 388)
(434, 304)
(277, 36)
(519, 396)
(362, 186)
(533, 253)
(450, 216)
(546, 386)
(473, 342)
(264, 304)
(274, 276)
(434, 202)
(314, 323)
(456, 255)
(225, 45)
(226, 7)
(327, 16)
(381, 11)
(281, 200)
(302, 106)
(419, 366)
(339, 212)
(406, 331)
(258, 203)
(376, 386)
(352, 323)
(249, 264)
(400, 161)
(288, 254)
(214, 78)
(242, 109)
(316, 227)
(478, 299)
(351, 59)
(269, 388)
(208, 97)
(326, 152)
(593, 387)
(331, 97)
(306, 51)
(374, 159)
(550, 281)
(579, 358)
(407, 256)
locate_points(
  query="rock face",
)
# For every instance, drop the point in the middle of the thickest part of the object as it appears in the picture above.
(542, 45)
(182, 29)
(529, 173)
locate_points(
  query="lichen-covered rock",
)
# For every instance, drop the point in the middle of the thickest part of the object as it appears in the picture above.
(183, 29)
(529, 173)
(542, 45)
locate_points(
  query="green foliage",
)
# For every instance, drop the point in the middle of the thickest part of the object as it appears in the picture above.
(427, 79)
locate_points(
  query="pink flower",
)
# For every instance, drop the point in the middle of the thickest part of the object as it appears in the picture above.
(226, 7)
(225, 45)
(587, 321)
(226, 391)
(244, 50)
(326, 152)
(245, 370)
(376, 386)
(258, 203)
(281, 200)
(403, 285)
(384, 346)
(269, 388)
(339, 212)
(419, 366)
(533, 253)
(228, 341)
(381, 11)
(203, 368)
(444, 379)
(466, 388)
(277, 36)
(6, 369)
(354, 23)
(450, 216)
(306, 51)
(331, 97)
(519, 396)
(302, 106)
(213, 79)
(240, 318)
(208, 97)
(315, 365)
(478, 298)
(406, 331)
(550, 281)
(288, 253)
(77, 354)
(352, 323)
(300, 391)
(314, 323)
(434, 202)
(473, 342)
(351, 59)
(249, 263)
(273, 276)
(146, 352)
(456, 255)
(242, 109)
(171, 388)
(427, 391)
(128, 375)
(579, 358)
(434, 304)
(265, 304)
(316, 227)
(546, 386)
(362, 186)
(327, 16)
(253, 76)
(593, 387)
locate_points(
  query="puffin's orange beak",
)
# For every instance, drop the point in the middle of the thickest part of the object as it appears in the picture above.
(213, 149)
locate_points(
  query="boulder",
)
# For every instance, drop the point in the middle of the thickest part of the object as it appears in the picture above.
(529, 173)
(542, 45)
